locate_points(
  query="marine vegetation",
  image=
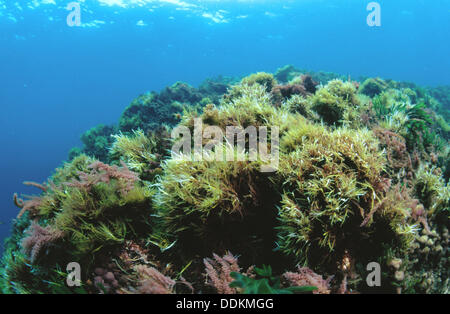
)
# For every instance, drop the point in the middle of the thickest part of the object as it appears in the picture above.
(150, 112)
(94, 142)
(361, 176)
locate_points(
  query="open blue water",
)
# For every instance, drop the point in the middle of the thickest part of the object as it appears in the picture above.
(57, 81)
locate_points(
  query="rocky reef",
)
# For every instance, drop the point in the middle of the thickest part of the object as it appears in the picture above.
(362, 177)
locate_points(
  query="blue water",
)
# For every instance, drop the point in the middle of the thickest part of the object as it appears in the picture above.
(58, 81)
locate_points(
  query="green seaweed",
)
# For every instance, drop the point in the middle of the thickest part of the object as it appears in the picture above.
(267, 284)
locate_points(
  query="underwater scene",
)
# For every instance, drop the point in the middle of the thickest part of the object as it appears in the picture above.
(225, 147)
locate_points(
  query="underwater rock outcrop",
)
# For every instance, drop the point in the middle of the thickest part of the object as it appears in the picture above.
(361, 177)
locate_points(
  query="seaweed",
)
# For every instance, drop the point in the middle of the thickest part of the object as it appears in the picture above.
(362, 176)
